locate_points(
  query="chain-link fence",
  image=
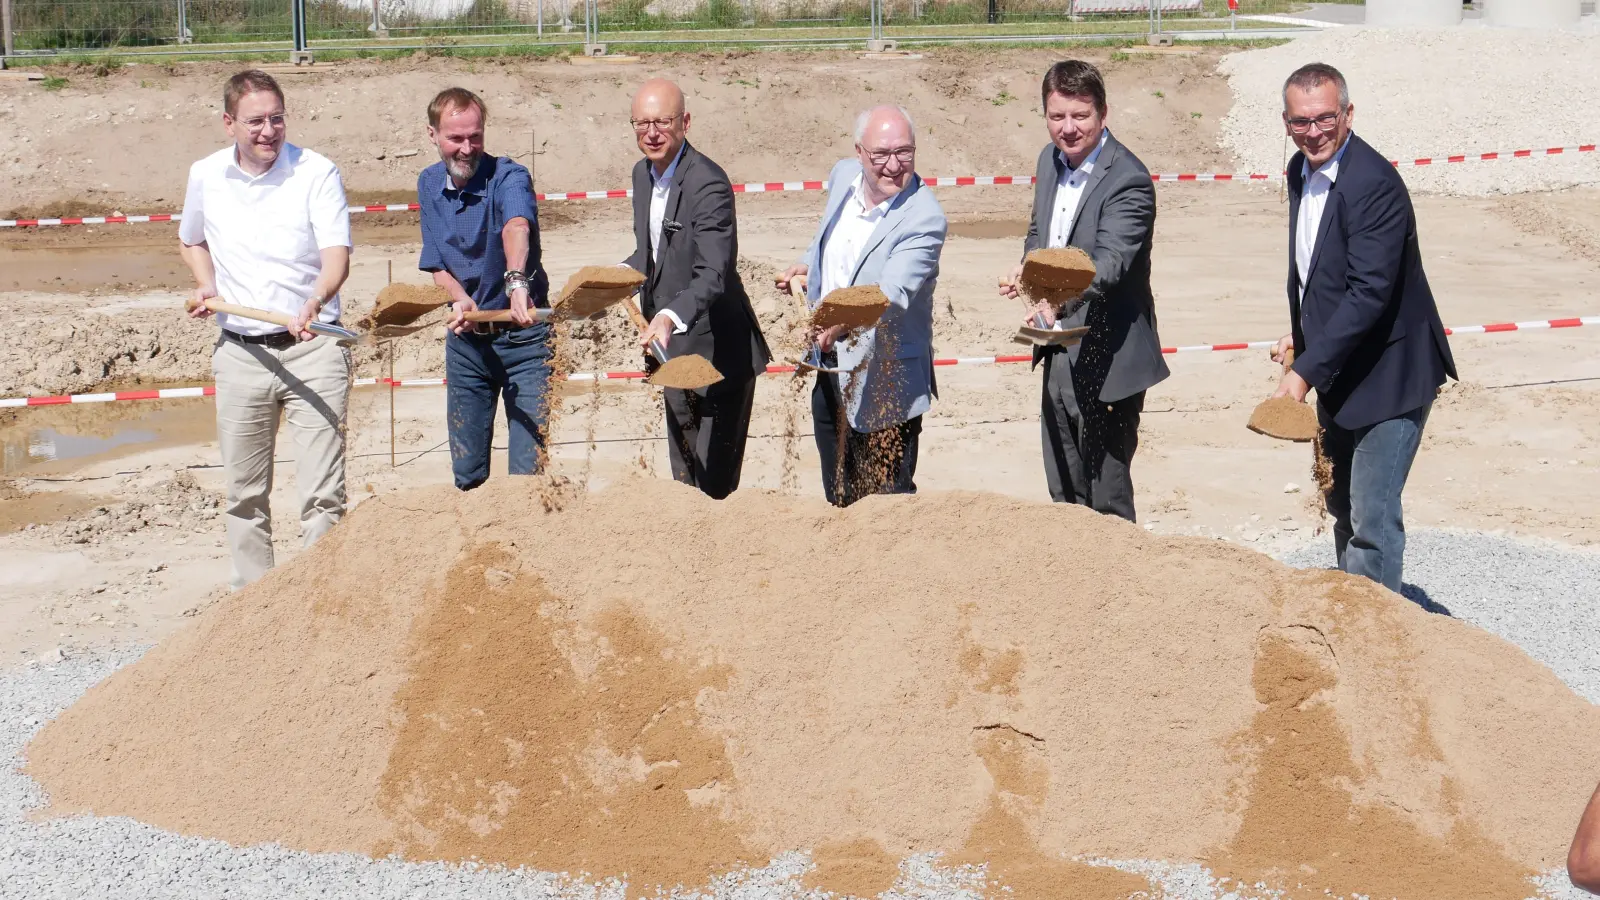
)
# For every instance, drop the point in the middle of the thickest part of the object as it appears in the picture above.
(221, 26)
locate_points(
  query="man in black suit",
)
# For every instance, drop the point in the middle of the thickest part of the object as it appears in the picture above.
(1365, 329)
(687, 245)
(1094, 194)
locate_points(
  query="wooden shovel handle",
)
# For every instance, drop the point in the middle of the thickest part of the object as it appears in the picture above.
(632, 306)
(1288, 358)
(243, 312)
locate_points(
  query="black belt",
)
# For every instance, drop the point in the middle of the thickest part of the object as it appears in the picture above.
(276, 340)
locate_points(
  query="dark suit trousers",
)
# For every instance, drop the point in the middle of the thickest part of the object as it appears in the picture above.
(706, 435)
(854, 463)
(1088, 447)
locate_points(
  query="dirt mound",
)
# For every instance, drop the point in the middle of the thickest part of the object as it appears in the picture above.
(647, 682)
(176, 502)
(852, 307)
(70, 354)
(1059, 274)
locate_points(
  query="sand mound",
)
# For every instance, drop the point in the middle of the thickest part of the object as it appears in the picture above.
(648, 682)
(177, 502)
(1285, 418)
(689, 373)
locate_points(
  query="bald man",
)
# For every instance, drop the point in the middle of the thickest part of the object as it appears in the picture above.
(687, 245)
(880, 226)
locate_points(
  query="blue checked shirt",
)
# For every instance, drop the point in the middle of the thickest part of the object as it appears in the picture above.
(461, 229)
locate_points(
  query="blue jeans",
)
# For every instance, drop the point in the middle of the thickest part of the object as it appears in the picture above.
(1370, 466)
(477, 369)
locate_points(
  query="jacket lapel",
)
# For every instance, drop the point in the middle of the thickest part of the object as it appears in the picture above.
(1044, 192)
(1102, 165)
(891, 218)
(674, 200)
(1328, 210)
(830, 218)
(1296, 185)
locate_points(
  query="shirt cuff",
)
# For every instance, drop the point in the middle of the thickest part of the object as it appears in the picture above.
(679, 327)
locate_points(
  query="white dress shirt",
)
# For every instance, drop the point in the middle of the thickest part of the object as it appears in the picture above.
(841, 253)
(266, 233)
(1314, 188)
(660, 187)
(1070, 186)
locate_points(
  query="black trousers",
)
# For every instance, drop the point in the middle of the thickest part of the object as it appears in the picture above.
(1088, 447)
(855, 464)
(706, 435)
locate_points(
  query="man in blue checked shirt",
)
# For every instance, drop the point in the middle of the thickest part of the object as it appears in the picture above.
(480, 239)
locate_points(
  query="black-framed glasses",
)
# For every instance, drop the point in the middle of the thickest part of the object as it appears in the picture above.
(642, 126)
(1324, 123)
(881, 157)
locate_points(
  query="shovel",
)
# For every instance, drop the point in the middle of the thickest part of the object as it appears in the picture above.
(812, 360)
(1285, 418)
(275, 318)
(1060, 274)
(1041, 335)
(587, 294)
(689, 372)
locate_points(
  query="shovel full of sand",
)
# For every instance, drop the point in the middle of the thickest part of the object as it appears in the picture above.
(276, 318)
(587, 294)
(1284, 417)
(1059, 276)
(689, 372)
(850, 310)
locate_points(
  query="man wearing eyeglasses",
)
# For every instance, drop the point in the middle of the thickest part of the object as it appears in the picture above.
(1092, 193)
(686, 243)
(880, 226)
(1364, 326)
(265, 225)
(480, 239)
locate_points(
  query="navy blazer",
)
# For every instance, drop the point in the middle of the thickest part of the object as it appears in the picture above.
(1367, 335)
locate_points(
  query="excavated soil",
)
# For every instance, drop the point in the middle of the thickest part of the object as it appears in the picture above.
(1285, 418)
(643, 682)
(403, 304)
(853, 307)
(1058, 274)
(689, 373)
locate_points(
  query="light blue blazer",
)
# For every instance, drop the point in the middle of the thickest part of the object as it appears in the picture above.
(895, 383)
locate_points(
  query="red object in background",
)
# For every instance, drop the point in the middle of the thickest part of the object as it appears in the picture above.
(1233, 5)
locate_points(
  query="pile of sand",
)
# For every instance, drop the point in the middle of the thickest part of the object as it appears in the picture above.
(645, 681)
(1057, 274)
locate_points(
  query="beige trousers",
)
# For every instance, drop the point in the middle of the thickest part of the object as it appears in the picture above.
(309, 384)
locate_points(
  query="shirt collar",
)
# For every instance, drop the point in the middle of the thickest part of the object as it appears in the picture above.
(671, 169)
(861, 200)
(1088, 164)
(477, 184)
(282, 162)
(1329, 168)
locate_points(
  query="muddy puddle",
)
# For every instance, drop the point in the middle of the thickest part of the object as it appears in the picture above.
(45, 440)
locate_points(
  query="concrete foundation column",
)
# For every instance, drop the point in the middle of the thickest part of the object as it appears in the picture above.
(1532, 13)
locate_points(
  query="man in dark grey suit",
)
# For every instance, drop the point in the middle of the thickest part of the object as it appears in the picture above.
(1093, 193)
(687, 246)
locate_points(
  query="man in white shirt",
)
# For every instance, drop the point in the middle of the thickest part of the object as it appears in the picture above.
(265, 225)
(880, 226)
(1363, 321)
(1092, 193)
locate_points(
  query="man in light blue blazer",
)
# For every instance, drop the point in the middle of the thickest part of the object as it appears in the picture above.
(880, 226)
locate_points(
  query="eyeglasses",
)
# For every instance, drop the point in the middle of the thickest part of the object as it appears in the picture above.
(642, 126)
(1324, 123)
(881, 157)
(260, 122)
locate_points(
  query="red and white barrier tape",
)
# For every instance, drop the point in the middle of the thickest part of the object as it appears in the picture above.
(771, 187)
(207, 391)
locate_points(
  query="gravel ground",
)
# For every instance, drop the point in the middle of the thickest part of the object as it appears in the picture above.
(1428, 93)
(1543, 596)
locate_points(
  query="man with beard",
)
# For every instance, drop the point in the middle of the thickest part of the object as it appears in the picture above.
(480, 239)
(265, 226)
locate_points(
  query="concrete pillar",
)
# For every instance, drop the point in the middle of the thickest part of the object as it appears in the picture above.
(1408, 13)
(1532, 13)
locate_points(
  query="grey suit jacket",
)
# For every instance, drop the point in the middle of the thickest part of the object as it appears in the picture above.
(695, 273)
(892, 364)
(1121, 354)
